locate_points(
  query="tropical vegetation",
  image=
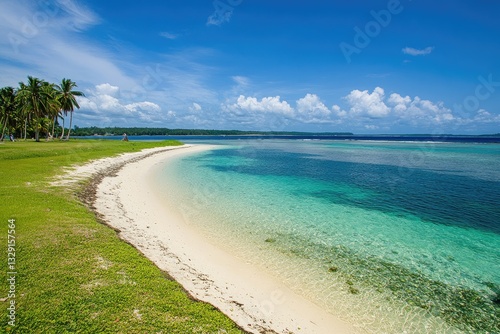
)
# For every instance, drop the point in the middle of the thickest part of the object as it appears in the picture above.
(35, 107)
(147, 131)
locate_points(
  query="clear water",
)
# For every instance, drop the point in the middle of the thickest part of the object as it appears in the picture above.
(390, 236)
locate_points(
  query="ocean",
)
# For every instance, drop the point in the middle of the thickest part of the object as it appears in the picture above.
(391, 236)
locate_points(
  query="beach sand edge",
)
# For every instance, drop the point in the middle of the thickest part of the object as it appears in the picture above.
(122, 194)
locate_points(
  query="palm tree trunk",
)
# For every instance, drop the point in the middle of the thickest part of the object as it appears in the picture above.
(37, 130)
(53, 126)
(62, 135)
(1, 139)
(70, 122)
(4, 127)
(25, 128)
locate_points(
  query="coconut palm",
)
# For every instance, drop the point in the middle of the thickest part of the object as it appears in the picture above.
(24, 114)
(67, 98)
(7, 107)
(52, 105)
(32, 99)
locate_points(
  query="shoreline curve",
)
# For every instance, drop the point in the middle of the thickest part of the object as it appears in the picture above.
(122, 194)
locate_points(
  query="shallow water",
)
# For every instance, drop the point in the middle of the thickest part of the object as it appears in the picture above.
(391, 236)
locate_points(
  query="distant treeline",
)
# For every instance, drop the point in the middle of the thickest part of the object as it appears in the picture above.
(108, 131)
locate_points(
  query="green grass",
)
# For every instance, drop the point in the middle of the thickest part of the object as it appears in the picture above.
(74, 275)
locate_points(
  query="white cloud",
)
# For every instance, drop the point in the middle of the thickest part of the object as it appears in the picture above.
(312, 105)
(44, 39)
(240, 87)
(107, 89)
(87, 104)
(142, 106)
(310, 109)
(108, 103)
(241, 81)
(372, 111)
(369, 105)
(400, 103)
(268, 113)
(79, 17)
(481, 117)
(266, 104)
(419, 111)
(338, 111)
(168, 35)
(195, 107)
(417, 52)
(273, 113)
(364, 110)
(47, 39)
(105, 103)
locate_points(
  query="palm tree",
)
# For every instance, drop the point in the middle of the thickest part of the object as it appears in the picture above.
(67, 98)
(52, 104)
(22, 111)
(32, 98)
(7, 106)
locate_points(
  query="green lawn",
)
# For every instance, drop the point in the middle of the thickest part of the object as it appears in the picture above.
(74, 275)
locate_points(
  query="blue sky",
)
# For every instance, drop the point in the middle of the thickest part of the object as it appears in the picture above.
(397, 66)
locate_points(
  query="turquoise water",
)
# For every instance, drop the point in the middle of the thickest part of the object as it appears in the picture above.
(391, 236)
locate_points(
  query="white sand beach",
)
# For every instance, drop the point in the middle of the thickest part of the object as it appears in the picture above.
(129, 202)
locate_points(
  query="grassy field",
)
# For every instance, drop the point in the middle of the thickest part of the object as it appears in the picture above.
(74, 275)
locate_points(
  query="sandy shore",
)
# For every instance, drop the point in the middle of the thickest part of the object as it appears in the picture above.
(127, 198)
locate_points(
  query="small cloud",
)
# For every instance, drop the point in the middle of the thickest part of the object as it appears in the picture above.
(241, 85)
(79, 18)
(195, 107)
(144, 106)
(417, 52)
(240, 80)
(168, 35)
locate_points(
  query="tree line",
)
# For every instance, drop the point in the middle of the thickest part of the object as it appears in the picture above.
(35, 107)
(145, 131)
